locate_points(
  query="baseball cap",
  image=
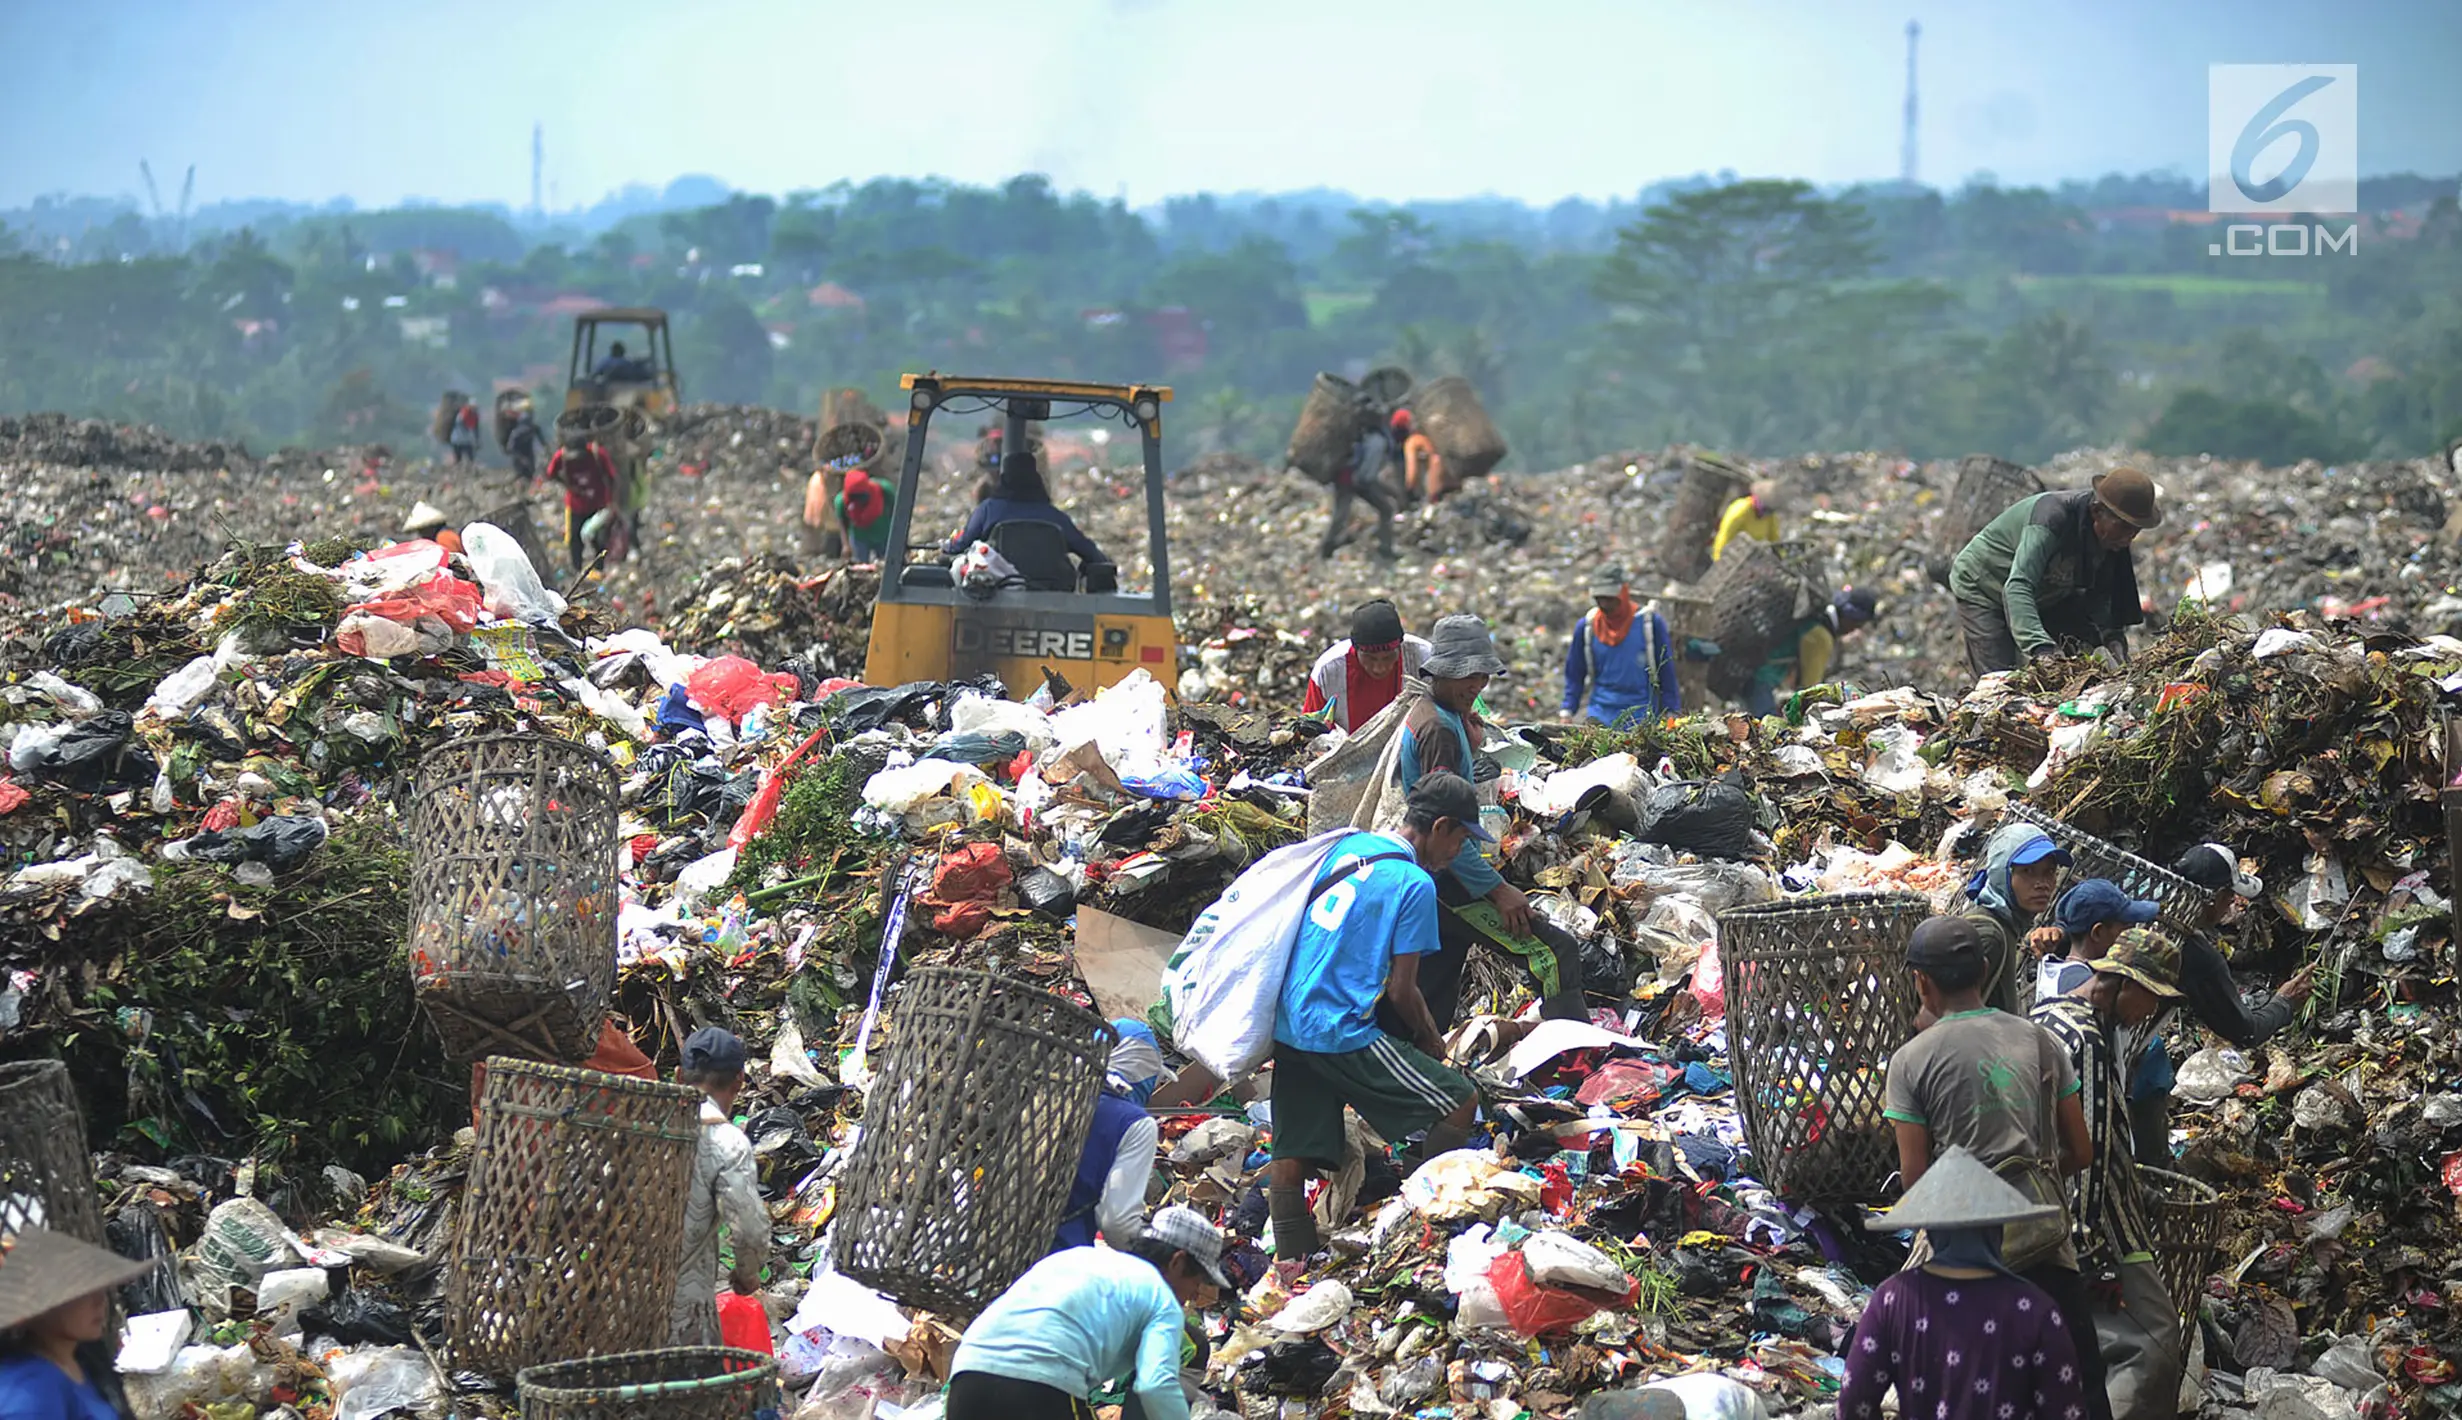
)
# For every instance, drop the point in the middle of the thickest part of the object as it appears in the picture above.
(2147, 957)
(1186, 1230)
(1375, 625)
(1443, 795)
(713, 1051)
(2216, 868)
(2038, 848)
(1942, 942)
(2096, 901)
(1607, 581)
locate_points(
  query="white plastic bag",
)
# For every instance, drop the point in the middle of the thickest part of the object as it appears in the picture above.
(1126, 722)
(1313, 1310)
(243, 1241)
(283, 1295)
(182, 689)
(983, 714)
(1558, 1259)
(379, 1379)
(1224, 984)
(513, 588)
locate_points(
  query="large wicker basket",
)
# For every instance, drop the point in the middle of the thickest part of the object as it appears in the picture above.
(2182, 901)
(1688, 617)
(1984, 489)
(681, 1383)
(1758, 593)
(1709, 485)
(46, 1175)
(1448, 411)
(513, 895)
(847, 446)
(571, 1229)
(1329, 424)
(970, 1138)
(1386, 386)
(603, 423)
(2187, 1219)
(1817, 997)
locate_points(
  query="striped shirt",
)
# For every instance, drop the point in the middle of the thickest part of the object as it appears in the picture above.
(2106, 1202)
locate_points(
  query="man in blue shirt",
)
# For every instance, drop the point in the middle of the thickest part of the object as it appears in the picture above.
(1621, 656)
(1021, 496)
(1371, 916)
(1441, 732)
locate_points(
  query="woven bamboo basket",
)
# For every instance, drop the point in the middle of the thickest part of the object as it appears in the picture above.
(509, 405)
(1817, 998)
(1386, 386)
(2182, 901)
(1758, 593)
(1448, 411)
(1688, 616)
(1329, 424)
(681, 1383)
(2187, 1219)
(603, 423)
(1709, 485)
(513, 895)
(1984, 489)
(571, 1229)
(46, 1175)
(970, 1138)
(847, 446)
(440, 424)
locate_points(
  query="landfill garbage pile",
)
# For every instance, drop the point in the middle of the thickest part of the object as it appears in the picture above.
(204, 806)
(100, 507)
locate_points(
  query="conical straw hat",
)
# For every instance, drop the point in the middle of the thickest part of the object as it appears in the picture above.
(1959, 1192)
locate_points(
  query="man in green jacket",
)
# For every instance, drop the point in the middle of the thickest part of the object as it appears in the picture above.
(2054, 573)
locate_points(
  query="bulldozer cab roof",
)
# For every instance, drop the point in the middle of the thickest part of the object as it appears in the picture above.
(624, 315)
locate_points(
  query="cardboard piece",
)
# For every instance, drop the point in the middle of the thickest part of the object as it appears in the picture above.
(1122, 962)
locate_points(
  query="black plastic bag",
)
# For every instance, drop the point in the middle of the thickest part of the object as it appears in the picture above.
(1299, 1366)
(1045, 891)
(1605, 970)
(355, 1317)
(1713, 818)
(137, 1232)
(94, 752)
(281, 842)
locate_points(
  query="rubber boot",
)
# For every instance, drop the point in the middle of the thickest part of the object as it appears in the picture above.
(1295, 1233)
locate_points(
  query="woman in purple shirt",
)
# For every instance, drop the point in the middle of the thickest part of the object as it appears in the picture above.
(1962, 1337)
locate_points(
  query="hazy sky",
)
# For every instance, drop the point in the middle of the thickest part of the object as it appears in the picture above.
(1533, 99)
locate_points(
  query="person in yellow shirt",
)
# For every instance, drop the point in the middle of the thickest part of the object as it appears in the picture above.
(1755, 515)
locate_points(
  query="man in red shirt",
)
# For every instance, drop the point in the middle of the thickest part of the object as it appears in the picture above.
(1359, 676)
(589, 479)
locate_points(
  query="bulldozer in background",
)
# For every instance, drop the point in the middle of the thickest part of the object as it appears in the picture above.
(641, 386)
(1059, 626)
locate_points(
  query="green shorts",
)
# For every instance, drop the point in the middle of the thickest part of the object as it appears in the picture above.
(1393, 1085)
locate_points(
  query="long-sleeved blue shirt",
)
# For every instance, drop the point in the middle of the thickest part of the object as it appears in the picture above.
(993, 511)
(1435, 738)
(1079, 1320)
(1638, 674)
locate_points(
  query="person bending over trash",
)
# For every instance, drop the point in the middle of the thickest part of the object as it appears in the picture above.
(2020, 872)
(2000, 1087)
(1108, 1194)
(1804, 652)
(1963, 1337)
(1360, 675)
(1622, 657)
(1442, 731)
(2135, 1316)
(2054, 574)
(2213, 996)
(1371, 922)
(725, 1189)
(1085, 1317)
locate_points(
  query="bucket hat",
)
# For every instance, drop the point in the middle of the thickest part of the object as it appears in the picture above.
(2147, 957)
(1959, 1192)
(1460, 647)
(41, 1269)
(2130, 497)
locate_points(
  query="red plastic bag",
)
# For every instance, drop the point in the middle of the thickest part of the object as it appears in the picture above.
(731, 685)
(444, 596)
(974, 873)
(1536, 1310)
(764, 805)
(743, 1323)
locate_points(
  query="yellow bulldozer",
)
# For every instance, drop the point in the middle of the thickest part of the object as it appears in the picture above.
(636, 381)
(1054, 621)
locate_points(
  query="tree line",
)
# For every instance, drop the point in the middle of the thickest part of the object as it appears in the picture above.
(1761, 316)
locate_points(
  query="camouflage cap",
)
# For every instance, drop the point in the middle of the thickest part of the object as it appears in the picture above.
(2148, 957)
